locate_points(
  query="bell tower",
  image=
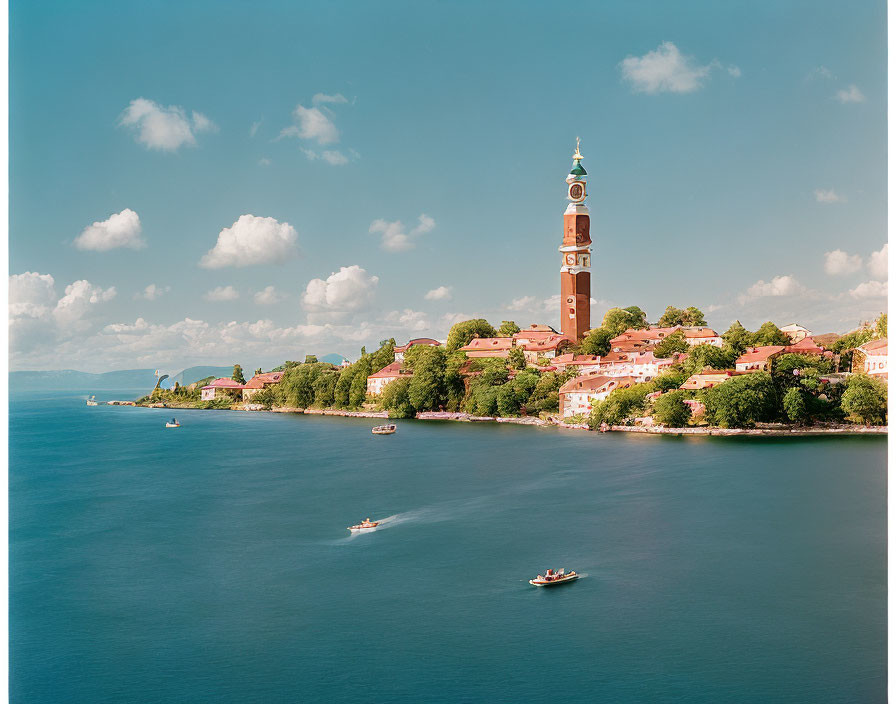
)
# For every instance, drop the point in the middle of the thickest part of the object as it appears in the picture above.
(575, 272)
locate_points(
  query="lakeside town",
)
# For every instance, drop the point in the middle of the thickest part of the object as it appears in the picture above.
(675, 373)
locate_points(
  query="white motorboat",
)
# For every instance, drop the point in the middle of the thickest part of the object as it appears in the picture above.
(552, 578)
(364, 526)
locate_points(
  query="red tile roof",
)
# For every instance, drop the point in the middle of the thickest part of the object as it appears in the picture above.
(224, 383)
(759, 354)
(596, 382)
(699, 332)
(876, 347)
(391, 370)
(259, 380)
(479, 344)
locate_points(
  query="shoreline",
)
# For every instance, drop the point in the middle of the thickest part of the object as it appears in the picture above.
(540, 422)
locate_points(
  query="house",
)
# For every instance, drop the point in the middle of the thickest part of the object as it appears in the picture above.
(579, 394)
(548, 347)
(709, 378)
(259, 382)
(873, 358)
(697, 407)
(651, 336)
(480, 347)
(426, 341)
(758, 358)
(537, 341)
(376, 382)
(581, 363)
(807, 346)
(221, 388)
(646, 366)
(631, 346)
(796, 332)
(696, 335)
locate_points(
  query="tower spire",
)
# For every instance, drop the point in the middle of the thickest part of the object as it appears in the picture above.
(575, 271)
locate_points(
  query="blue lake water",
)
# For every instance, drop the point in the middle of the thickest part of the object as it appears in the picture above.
(211, 563)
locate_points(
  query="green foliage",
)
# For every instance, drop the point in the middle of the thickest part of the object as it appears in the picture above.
(238, 374)
(358, 388)
(738, 338)
(769, 334)
(795, 405)
(427, 387)
(621, 405)
(545, 397)
(671, 410)
(669, 380)
(676, 316)
(675, 342)
(742, 401)
(845, 346)
(516, 358)
(461, 333)
(396, 400)
(880, 327)
(325, 388)
(385, 355)
(865, 400)
(618, 320)
(702, 356)
(597, 341)
(483, 401)
(266, 397)
(804, 370)
(508, 329)
(258, 371)
(310, 359)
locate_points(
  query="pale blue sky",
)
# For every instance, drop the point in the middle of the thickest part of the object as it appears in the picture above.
(736, 145)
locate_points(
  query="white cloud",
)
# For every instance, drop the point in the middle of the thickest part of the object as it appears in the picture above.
(442, 293)
(877, 262)
(268, 296)
(829, 196)
(264, 161)
(779, 286)
(666, 70)
(253, 130)
(321, 98)
(395, 239)
(870, 289)
(120, 230)
(152, 292)
(251, 240)
(166, 129)
(450, 319)
(349, 289)
(407, 319)
(221, 293)
(839, 262)
(333, 157)
(821, 72)
(78, 301)
(313, 125)
(31, 294)
(523, 303)
(850, 95)
(734, 71)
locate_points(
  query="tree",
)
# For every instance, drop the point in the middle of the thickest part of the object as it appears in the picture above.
(358, 387)
(804, 365)
(618, 320)
(508, 404)
(702, 356)
(880, 327)
(597, 342)
(671, 410)
(325, 387)
(427, 388)
(865, 400)
(516, 358)
(258, 371)
(508, 328)
(670, 380)
(461, 333)
(310, 359)
(742, 401)
(844, 346)
(637, 317)
(671, 317)
(769, 334)
(621, 405)
(795, 405)
(693, 316)
(738, 338)
(238, 374)
(395, 399)
(385, 355)
(673, 343)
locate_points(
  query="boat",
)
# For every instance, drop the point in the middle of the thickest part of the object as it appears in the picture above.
(364, 525)
(383, 430)
(552, 578)
(172, 423)
(91, 401)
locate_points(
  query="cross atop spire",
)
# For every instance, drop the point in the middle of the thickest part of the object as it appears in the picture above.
(577, 156)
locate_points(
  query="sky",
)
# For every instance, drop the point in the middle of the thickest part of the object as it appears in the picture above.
(218, 183)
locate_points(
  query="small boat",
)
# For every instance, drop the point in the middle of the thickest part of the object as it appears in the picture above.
(172, 423)
(364, 525)
(383, 430)
(551, 578)
(91, 401)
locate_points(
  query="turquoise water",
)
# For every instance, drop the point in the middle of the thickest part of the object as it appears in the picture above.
(212, 563)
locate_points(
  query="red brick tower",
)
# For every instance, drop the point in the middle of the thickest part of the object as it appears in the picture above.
(575, 273)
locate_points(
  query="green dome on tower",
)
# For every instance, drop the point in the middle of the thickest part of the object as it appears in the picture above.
(577, 168)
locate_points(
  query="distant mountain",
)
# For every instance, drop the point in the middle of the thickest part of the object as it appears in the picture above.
(71, 380)
(188, 376)
(331, 359)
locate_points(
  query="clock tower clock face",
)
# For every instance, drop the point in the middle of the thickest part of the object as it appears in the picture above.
(576, 191)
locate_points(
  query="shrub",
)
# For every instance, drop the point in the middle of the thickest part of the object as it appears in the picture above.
(671, 410)
(865, 400)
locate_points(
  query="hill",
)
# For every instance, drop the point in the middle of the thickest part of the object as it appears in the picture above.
(188, 376)
(72, 380)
